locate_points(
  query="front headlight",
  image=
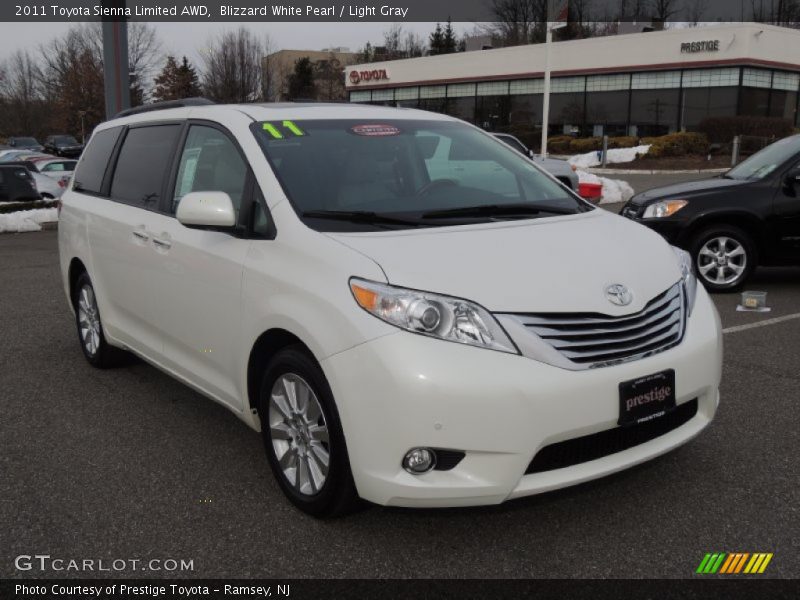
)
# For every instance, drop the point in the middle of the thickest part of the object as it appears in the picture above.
(443, 317)
(687, 273)
(664, 208)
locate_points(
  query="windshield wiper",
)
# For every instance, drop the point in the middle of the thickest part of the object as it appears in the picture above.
(497, 210)
(361, 216)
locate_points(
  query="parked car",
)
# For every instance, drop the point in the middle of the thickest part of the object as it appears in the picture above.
(730, 224)
(409, 312)
(16, 184)
(49, 187)
(560, 169)
(59, 169)
(63, 145)
(24, 143)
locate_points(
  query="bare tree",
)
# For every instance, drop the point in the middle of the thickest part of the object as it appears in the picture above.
(695, 10)
(232, 67)
(518, 21)
(270, 71)
(664, 10)
(23, 105)
(329, 79)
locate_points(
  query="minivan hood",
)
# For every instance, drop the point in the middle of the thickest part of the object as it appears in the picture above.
(692, 188)
(556, 264)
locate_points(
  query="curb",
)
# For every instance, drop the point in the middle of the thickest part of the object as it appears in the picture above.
(597, 171)
(49, 226)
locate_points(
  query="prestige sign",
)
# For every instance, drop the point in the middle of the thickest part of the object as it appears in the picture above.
(357, 77)
(706, 46)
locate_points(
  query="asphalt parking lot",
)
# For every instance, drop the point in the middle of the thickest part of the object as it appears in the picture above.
(129, 464)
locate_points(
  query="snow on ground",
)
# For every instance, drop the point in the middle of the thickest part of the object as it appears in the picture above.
(27, 220)
(614, 190)
(617, 155)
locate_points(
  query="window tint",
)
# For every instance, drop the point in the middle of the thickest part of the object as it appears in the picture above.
(89, 176)
(144, 160)
(210, 163)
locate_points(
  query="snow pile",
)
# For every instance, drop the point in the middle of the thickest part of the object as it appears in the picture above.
(27, 220)
(614, 190)
(617, 155)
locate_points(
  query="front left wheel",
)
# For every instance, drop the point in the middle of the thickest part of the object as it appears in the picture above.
(303, 436)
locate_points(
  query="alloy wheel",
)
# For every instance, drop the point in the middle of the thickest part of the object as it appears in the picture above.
(722, 260)
(88, 320)
(299, 434)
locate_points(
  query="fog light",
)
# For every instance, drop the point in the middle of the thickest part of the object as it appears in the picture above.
(419, 460)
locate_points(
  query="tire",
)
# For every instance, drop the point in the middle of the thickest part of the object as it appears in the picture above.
(298, 434)
(724, 257)
(89, 326)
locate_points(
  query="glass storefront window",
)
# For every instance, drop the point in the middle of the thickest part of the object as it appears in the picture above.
(462, 108)
(566, 113)
(783, 105)
(700, 103)
(755, 102)
(654, 112)
(493, 112)
(607, 112)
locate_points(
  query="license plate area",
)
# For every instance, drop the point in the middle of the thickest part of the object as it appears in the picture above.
(646, 398)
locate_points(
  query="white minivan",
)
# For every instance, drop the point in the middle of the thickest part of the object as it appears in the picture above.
(400, 330)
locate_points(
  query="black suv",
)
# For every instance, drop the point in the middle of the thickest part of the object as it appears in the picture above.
(24, 143)
(730, 224)
(63, 145)
(16, 184)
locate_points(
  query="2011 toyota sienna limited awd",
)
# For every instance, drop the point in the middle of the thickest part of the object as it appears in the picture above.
(410, 312)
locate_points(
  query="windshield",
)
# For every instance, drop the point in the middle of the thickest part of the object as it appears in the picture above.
(767, 160)
(65, 139)
(25, 141)
(356, 175)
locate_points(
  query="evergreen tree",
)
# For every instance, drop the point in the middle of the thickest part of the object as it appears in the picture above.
(436, 41)
(301, 81)
(449, 40)
(176, 82)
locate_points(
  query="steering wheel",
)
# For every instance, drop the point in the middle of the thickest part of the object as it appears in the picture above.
(436, 183)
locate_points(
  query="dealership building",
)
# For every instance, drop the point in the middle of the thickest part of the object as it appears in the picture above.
(638, 84)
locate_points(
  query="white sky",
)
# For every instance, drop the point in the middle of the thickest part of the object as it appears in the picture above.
(190, 38)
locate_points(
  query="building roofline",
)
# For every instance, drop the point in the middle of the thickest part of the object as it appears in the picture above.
(594, 71)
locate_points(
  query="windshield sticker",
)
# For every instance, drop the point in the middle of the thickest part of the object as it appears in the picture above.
(285, 129)
(375, 130)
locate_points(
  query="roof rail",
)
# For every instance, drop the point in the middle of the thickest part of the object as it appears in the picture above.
(163, 106)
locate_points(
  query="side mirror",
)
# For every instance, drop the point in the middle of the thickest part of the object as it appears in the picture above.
(206, 209)
(792, 180)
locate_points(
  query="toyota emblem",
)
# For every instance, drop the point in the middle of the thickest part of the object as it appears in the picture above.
(355, 77)
(619, 294)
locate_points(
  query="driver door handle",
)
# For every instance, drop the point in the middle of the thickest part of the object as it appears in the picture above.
(162, 243)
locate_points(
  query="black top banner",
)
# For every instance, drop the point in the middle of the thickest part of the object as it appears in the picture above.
(394, 10)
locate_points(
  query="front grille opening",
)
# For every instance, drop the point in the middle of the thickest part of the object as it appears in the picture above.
(595, 340)
(605, 443)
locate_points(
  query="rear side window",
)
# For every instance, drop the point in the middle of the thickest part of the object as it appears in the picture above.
(92, 169)
(144, 160)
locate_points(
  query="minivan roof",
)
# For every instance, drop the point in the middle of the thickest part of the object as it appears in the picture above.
(280, 110)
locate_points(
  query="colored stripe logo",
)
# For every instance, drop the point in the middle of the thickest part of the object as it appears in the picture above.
(734, 563)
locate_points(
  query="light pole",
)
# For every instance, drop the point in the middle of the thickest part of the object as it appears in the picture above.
(556, 19)
(82, 115)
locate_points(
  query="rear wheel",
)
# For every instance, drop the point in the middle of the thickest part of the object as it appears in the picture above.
(724, 257)
(303, 437)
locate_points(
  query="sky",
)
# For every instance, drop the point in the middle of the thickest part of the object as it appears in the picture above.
(190, 38)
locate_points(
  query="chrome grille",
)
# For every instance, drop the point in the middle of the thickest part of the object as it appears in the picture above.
(593, 340)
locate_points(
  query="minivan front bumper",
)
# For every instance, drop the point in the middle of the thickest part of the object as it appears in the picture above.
(404, 390)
